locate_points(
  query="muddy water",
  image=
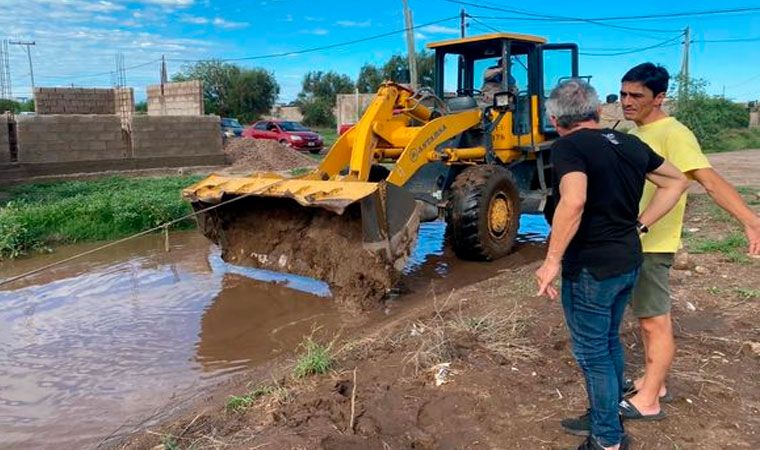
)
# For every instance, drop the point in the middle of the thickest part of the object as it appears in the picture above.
(118, 335)
(106, 343)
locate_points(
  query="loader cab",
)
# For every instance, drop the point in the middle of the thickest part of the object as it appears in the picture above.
(469, 70)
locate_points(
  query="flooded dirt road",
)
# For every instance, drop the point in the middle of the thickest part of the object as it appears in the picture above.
(114, 338)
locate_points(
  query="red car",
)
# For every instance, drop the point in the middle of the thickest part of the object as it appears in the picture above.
(286, 132)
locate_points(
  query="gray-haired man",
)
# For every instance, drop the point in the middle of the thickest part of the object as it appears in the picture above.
(599, 178)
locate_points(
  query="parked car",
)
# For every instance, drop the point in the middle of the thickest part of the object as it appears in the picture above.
(231, 127)
(287, 132)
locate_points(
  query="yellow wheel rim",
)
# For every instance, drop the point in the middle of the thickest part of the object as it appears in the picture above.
(498, 215)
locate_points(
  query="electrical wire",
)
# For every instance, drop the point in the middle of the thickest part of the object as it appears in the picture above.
(533, 16)
(544, 17)
(76, 77)
(323, 47)
(666, 43)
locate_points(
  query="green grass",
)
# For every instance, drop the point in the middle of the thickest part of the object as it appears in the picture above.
(298, 171)
(34, 217)
(315, 360)
(732, 246)
(735, 139)
(330, 135)
(236, 403)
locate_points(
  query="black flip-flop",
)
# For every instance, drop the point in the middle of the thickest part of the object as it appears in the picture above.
(630, 412)
(629, 389)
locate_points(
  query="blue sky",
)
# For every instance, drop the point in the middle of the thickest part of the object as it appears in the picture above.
(77, 40)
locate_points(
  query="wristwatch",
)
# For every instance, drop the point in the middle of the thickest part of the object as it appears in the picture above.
(641, 228)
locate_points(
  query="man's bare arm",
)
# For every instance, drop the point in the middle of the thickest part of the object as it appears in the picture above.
(727, 198)
(567, 219)
(567, 215)
(671, 183)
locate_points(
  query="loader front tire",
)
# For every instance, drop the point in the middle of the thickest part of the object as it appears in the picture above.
(484, 213)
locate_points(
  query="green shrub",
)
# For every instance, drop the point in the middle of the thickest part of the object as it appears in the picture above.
(709, 117)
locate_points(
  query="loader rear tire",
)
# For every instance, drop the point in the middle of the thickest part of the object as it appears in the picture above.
(484, 213)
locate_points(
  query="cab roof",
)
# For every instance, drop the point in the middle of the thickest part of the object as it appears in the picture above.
(484, 38)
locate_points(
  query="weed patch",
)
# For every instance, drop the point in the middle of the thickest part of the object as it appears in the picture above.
(238, 403)
(38, 216)
(315, 360)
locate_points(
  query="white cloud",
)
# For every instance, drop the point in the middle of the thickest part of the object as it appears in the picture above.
(354, 24)
(170, 3)
(419, 35)
(289, 18)
(316, 31)
(228, 24)
(186, 18)
(439, 29)
(102, 6)
(313, 19)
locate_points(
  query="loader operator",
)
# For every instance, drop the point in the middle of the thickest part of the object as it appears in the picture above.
(492, 79)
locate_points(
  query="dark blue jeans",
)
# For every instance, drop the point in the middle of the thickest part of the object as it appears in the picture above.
(593, 312)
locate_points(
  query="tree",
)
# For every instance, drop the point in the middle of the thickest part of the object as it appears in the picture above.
(318, 96)
(317, 112)
(325, 85)
(9, 105)
(397, 68)
(705, 115)
(233, 91)
(369, 79)
(253, 93)
(141, 107)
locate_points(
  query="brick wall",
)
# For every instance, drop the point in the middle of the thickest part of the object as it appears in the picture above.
(74, 101)
(350, 107)
(177, 99)
(286, 113)
(66, 138)
(124, 103)
(754, 119)
(611, 114)
(5, 147)
(161, 136)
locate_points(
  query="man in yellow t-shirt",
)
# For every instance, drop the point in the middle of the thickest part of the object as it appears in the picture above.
(642, 94)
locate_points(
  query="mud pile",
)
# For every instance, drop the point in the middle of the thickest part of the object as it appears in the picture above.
(282, 236)
(252, 155)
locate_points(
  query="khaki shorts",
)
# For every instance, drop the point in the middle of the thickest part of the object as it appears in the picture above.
(651, 296)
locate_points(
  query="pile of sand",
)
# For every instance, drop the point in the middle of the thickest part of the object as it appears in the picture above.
(251, 155)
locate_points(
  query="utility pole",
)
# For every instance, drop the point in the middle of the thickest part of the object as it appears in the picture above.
(462, 22)
(410, 45)
(28, 46)
(685, 63)
(5, 71)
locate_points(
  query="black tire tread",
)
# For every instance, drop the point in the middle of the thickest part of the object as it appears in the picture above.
(468, 191)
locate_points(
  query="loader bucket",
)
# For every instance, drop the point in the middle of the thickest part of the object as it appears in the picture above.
(356, 236)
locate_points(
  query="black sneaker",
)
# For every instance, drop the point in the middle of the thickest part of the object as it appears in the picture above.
(578, 426)
(591, 444)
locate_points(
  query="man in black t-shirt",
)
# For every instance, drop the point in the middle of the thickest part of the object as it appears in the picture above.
(599, 178)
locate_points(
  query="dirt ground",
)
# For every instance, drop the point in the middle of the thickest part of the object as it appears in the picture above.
(503, 362)
(263, 155)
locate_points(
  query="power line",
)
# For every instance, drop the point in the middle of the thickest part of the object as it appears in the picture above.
(543, 17)
(628, 50)
(484, 24)
(76, 77)
(752, 39)
(666, 43)
(533, 16)
(323, 47)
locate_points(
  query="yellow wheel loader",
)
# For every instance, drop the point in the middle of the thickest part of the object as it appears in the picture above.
(472, 150)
